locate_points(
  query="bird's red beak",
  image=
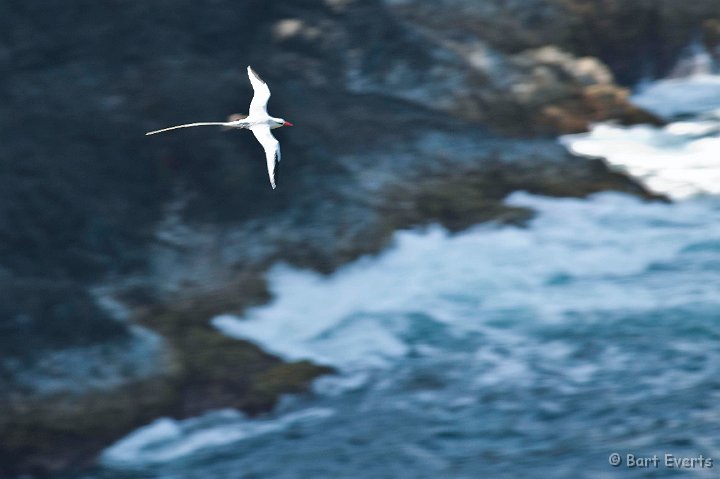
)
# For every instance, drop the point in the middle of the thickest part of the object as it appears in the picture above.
(287, 123)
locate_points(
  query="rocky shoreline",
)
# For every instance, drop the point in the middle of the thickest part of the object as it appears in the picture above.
(196, 369)
(118, 250)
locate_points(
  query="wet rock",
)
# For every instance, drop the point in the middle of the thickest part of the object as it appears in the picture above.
(636, 39)
(51, 420)
(544, 91)
(66, 431)
(216, 371)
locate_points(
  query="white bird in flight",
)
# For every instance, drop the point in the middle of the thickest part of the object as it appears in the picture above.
(257, 120)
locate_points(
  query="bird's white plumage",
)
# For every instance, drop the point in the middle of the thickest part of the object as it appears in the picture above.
(258, 105)
(188, 125)
(258, 121)
(271, 147)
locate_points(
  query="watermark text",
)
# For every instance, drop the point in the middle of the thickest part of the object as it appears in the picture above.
(666, 461)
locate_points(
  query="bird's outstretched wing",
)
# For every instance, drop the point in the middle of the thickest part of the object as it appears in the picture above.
(188, 125)
(271, 147)
(258, 105)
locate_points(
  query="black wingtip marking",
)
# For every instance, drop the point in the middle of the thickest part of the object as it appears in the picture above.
(255, 74)
(275, 169)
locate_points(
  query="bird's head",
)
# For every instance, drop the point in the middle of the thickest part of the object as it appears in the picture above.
(280, 122)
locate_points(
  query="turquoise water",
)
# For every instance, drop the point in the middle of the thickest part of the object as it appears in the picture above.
(500, 352)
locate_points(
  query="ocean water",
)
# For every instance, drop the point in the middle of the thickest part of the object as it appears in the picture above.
(502, 351)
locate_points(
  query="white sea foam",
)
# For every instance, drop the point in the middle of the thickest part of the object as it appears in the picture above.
(680, 160)
(363, 316)
(677, 96)
(165, 439)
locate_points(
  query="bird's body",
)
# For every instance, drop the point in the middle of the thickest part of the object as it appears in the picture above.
(258, 121)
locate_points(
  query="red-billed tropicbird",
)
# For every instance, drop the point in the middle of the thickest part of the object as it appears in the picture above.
(258, 121)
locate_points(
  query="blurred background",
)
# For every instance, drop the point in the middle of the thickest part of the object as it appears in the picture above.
(493, 250)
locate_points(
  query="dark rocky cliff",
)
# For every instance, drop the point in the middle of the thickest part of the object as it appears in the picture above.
(116, 249)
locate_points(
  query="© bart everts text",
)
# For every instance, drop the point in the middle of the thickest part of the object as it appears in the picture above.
(667, 460)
